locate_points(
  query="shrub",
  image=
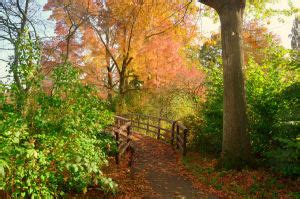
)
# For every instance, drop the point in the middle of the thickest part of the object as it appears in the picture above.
(271, 88)
(207, 126)
(54, 144)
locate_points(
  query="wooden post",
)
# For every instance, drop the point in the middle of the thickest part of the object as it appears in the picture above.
(177, 135)
(173, 133)
(117, 142)
(185, 134)
(131, 120)
(118, 123)
(128, 133)
(148, 118)
(158, 130)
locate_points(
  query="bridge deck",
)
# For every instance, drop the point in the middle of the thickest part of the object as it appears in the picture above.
(156, 170)
(157, 166)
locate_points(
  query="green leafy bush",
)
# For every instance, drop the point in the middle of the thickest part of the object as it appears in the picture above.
(273, 90)
(52, 144)
(207, 127)
(56, 144)
(285, 158)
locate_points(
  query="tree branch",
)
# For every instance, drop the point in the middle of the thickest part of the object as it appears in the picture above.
(211, 3)
(106, 47)
(176, 23)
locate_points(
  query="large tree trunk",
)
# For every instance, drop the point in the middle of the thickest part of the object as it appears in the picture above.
(236, 142)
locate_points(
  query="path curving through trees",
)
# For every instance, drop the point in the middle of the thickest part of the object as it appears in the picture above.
(158, 164)
(155, 169)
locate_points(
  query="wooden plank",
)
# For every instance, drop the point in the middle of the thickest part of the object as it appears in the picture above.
(117, 143)
(179, 138)
(145, 129)
(180, 147)
(166, 130)
(121, 145)
(124, 136)
(153, 117)
(148, 124)
(124, 126)
(158, 129)
(141, 123)
(173, 133)
(122, 133)
(181, 126)
(122, 118)
(154, 126)
(123, 149)
(129, 138)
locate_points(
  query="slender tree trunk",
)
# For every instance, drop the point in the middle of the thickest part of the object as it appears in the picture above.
(110, 84)
(122, 87)
(109, 77)
(108, 65)
(15, 69)
(16, 64)
(236, 142)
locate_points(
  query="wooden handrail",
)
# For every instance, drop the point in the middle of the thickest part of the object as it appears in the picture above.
(122, 133)
(174, 130)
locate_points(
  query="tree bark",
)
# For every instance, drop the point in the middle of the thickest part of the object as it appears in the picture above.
(236, 149)
(122, 87)
(236, 142)
(109, 77)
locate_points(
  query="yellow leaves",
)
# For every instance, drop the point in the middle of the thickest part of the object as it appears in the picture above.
(211, 42)
(84, 190)
(120, 30)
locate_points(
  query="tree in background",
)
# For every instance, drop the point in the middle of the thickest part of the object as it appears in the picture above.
(257, 39)
(51, 144)
(236, 150)
(18, 21)
(113, 33)
(295, 35)
(236, 143)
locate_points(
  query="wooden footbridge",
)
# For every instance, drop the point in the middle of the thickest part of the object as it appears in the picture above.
(156, 170)
(168, 131)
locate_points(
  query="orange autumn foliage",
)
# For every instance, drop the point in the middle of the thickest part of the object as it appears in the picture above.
(115, 42)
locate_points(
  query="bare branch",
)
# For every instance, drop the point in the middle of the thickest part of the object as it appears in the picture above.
(175, 24)
(106, 47)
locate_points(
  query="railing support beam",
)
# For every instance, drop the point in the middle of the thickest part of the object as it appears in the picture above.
(175, 132)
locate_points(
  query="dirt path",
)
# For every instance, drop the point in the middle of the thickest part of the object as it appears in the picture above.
(158, 169)
(153, 171)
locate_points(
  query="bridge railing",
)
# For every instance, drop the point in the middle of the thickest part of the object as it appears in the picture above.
(122, 133)
(170, 131)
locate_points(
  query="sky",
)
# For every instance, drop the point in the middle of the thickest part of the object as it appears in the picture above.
(206, 26)
(282, 29)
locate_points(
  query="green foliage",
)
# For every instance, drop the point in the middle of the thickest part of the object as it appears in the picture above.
(273, 109)
(285, 159)
(209, 133)
(269, 107)
(206, 127)
(29, 57)
(172, 104)
(54, 143)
